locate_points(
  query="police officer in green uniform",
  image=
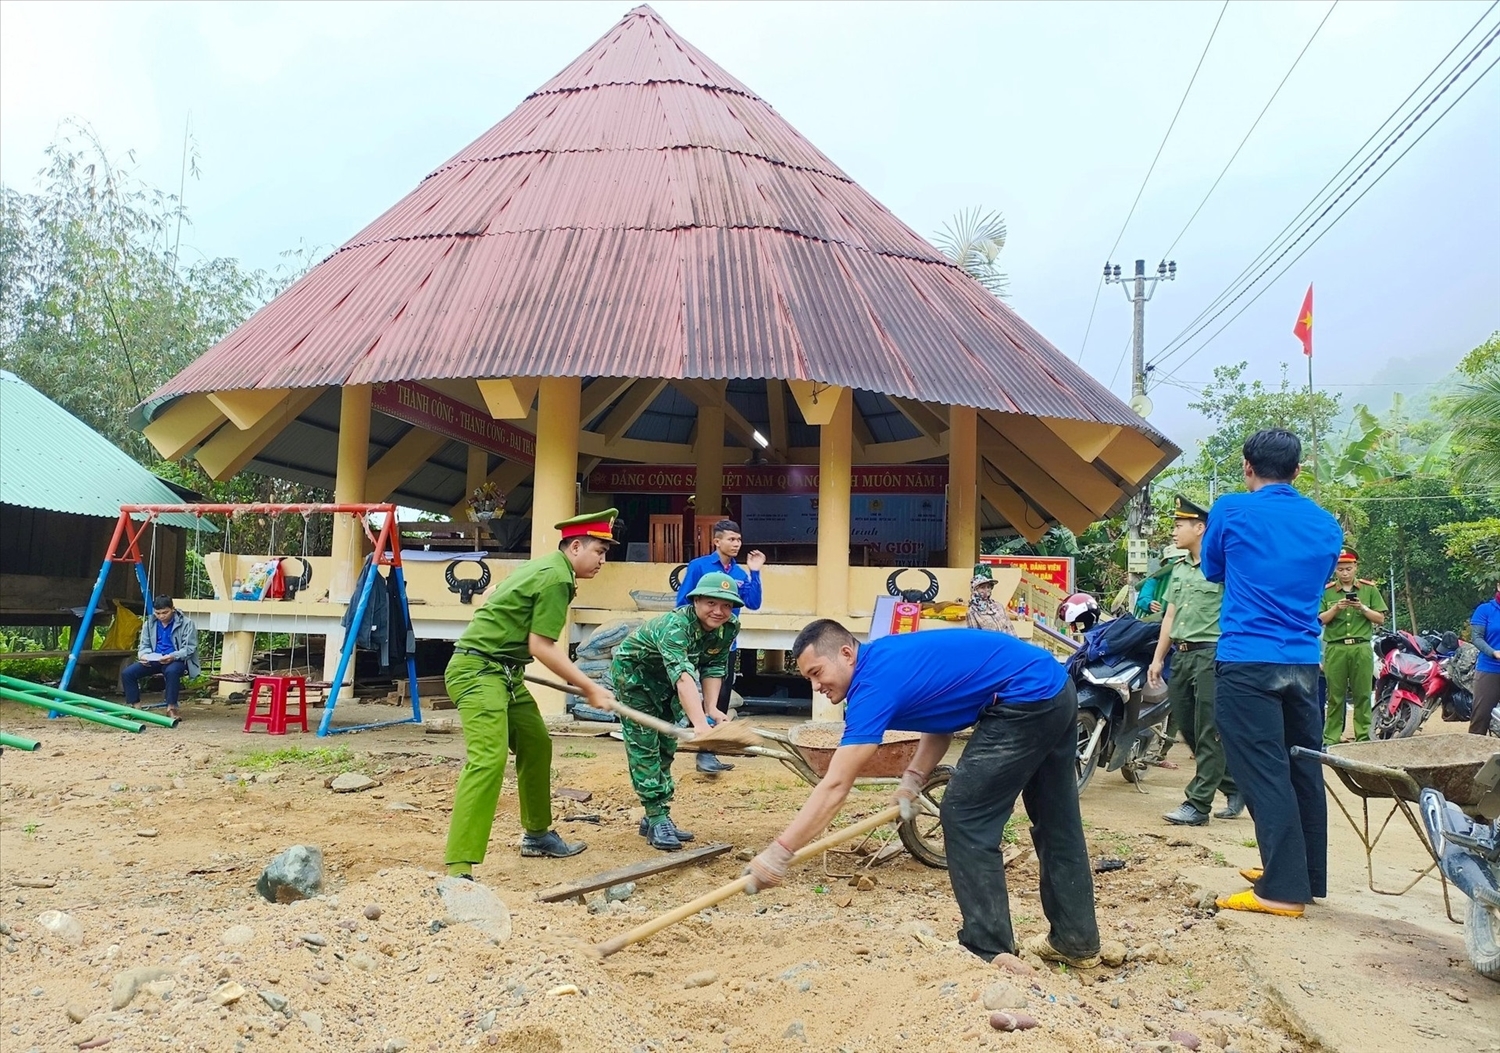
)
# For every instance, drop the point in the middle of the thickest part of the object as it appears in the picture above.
(658, 669)
(523, 619)
(1190, 629)
(1350, 611)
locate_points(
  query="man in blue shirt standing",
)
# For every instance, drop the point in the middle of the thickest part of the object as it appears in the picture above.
(1486, 636)
(727, 542)
(1025, 742)
(1273, 549)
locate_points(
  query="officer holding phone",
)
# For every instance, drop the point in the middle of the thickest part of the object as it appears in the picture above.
(1351, 609)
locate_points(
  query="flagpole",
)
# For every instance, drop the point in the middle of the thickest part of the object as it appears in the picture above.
(1312, 413)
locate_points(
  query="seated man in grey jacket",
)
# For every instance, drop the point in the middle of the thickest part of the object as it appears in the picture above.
(169, 646)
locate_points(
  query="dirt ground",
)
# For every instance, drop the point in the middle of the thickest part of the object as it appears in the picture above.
(153, 843)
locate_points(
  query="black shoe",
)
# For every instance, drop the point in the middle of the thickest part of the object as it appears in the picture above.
(663, 835)
(1186, 815)
(550, 845)
(1232, 808)
(682, 835)
(708, 764)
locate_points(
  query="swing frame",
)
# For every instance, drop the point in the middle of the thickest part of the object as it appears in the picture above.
(124, 547)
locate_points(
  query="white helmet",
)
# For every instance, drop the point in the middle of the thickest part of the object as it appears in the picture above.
(1080, 610)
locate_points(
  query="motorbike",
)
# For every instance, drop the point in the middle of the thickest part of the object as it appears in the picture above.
(1418, 674)
(1468, 852)
(1121, 719)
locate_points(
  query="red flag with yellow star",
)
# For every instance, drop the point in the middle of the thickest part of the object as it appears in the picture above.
(1303, 329)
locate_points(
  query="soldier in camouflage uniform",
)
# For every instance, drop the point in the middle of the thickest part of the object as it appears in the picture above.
(657, 669)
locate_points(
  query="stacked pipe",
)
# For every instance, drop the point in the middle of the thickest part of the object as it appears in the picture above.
(16, 742)
(70, 703)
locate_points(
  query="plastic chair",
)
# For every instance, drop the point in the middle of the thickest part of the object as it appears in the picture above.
(275, 717)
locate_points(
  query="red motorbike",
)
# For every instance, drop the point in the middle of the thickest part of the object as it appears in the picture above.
(1418, 673)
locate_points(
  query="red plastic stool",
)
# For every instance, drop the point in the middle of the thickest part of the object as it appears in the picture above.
(275, 717)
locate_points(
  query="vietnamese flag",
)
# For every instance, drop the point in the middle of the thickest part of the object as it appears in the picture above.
(1303, 329)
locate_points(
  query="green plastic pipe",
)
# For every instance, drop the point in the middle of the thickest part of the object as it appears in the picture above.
(59, 706)
(16, 742)
(85, 700)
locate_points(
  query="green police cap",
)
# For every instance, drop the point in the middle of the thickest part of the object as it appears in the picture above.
(717, 586)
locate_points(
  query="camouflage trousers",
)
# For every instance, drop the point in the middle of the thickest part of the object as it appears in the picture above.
(648, 754)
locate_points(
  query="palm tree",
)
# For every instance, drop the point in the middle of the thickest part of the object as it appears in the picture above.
(1474, 410)
(973, 241)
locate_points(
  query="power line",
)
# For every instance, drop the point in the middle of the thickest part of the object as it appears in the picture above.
(1129, 215)
(1192, 328)
(1435, 121)
(1121, 361)
(1255, 124)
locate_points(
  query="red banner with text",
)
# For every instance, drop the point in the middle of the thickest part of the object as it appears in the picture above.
(1056, 570)
(422, 406)
(766, 479)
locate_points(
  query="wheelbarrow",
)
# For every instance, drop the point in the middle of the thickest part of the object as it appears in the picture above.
(1397, 770)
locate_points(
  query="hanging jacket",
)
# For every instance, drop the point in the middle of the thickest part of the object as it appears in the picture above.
(373, 631)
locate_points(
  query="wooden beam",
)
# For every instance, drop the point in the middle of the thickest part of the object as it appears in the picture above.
(642, 451)
(183, 425)
(928, 420)
(1132, 455)
(397, 464)
(711, 393)
(601, 392)
(817, 401)
(246, 408)
(658, 865)
(776, 405)
(1032, 480)
(1084, 437)
(509, 398)
(230, 449)
(904, 452)
(863, 438)
(1004, 499)
(1077, 476)
(629, 410)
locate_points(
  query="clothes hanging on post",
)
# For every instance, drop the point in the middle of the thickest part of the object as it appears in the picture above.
(385, 626)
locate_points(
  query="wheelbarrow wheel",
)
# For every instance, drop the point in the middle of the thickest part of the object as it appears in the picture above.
(923, 835)
(1482, 939)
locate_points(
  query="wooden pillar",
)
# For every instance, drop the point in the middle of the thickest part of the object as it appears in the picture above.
(710, 455)
(476, 470)
(348, 487)
(835, 441)
(963, 486)
(554, 495)
(236, 651)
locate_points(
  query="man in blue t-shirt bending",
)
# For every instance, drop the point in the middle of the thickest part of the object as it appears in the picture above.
(1025, 743)
(1273, 549)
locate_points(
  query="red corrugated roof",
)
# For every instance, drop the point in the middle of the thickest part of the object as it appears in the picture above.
(646, 214)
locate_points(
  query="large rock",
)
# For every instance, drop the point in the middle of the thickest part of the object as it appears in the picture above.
(295, 874)
(61, 926)
(470, 903)
(130, 981)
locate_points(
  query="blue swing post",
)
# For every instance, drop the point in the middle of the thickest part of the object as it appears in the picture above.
(132, 554)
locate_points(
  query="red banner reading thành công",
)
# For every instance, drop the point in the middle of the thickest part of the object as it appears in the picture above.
(766, 479)
(420, 405)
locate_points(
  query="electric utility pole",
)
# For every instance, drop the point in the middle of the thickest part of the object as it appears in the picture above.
(1138, 290)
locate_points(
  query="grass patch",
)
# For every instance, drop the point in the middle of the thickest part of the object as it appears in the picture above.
(1250, 842)
(31, 828)
(572, 751)
(322, 758)
(1219, 860)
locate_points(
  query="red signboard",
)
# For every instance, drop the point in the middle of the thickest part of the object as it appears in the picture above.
(420, 405)
(766, 479)
(1056, 570)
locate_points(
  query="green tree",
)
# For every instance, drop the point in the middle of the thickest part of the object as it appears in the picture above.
(1474, 412)
(973, 240)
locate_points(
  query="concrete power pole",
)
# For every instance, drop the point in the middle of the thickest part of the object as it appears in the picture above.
(1138, 290)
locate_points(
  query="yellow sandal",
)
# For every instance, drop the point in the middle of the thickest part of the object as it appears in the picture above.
(1249, 901)
(1253, 874)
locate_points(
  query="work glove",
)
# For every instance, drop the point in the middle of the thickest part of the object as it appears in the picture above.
(768, 869)
(906, 794)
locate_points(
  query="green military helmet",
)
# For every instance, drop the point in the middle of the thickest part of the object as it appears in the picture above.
(717, 586)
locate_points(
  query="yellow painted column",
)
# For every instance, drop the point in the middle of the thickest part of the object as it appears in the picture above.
(710, 454)
(348, 488)
(555, 488)
(236, 652)
(475, 470)
(963, 486)
(835, 441)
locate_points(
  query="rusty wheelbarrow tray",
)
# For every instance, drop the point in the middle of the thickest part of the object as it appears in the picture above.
(1398, 770)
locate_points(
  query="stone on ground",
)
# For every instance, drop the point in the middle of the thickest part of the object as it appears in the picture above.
(470, 903)
(295, 874)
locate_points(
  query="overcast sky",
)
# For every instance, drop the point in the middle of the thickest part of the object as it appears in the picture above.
(311, 119)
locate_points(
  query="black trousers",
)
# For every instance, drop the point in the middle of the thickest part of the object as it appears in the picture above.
(1027, 750)
(1263, 710)
(1486, 698)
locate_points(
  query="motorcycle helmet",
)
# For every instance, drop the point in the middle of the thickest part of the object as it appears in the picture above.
(1079, 612)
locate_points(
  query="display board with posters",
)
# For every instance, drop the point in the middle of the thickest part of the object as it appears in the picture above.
(1055, 570)
(907, 528)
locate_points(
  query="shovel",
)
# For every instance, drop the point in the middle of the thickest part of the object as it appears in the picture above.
(718, 895)
(726, 737)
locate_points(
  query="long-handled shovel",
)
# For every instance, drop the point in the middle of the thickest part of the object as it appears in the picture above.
(718, 895)
(725, 737)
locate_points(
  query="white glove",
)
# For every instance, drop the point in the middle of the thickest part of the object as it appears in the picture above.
(768, 869)
(906, 794)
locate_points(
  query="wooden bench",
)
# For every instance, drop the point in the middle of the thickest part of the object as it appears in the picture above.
(109, 661)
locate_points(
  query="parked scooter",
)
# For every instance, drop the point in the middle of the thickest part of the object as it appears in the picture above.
(1468, 851)
(1418, 674)
(1121, 720)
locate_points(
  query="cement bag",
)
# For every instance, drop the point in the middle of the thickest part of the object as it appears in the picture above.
(124, 632)
(603, 640)
(594, 668)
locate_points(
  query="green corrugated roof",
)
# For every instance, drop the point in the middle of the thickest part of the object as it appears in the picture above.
(50, 459)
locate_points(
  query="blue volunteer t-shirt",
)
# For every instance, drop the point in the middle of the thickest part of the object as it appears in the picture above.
(164, 638)
(1486, 622)
(938, 681)
(1274, 550)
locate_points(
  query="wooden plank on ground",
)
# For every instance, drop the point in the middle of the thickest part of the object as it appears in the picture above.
(572, 890)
